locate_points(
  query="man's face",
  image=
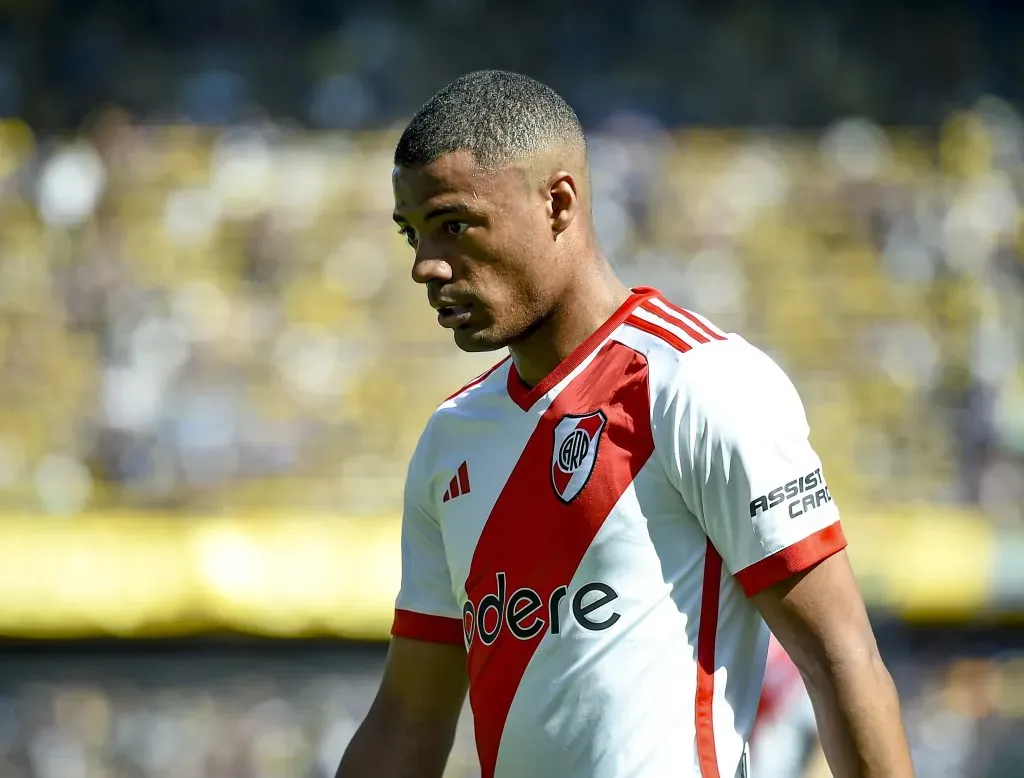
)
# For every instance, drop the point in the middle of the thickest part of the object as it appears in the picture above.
(484, 247)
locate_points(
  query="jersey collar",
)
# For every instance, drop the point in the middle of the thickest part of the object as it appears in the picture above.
(525, 397)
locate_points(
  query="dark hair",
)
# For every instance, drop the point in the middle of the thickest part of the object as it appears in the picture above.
(497, 115)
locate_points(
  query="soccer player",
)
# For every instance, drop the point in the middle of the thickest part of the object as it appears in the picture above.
(597, 529)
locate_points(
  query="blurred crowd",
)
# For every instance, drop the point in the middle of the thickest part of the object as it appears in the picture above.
(204, 305)
(194, 318)
(361, 64)
(199, 716)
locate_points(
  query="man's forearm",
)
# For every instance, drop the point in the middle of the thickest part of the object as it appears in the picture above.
(858, 716)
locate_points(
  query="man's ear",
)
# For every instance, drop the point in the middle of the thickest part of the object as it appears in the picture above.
(564, 199)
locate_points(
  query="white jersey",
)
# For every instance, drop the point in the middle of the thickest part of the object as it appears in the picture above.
(593, 541)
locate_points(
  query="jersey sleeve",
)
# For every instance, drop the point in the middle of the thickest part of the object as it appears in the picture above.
(425, 608)
(747, 470)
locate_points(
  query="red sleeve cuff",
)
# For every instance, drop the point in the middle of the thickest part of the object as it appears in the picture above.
(795, 559)
(423, 626)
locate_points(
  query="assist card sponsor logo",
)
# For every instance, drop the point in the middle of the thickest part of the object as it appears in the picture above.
(802, 495)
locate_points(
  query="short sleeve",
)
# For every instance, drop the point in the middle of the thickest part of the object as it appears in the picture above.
(425, 608)
(748, 471)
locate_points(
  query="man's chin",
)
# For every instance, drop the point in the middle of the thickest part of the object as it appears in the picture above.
(474, 341)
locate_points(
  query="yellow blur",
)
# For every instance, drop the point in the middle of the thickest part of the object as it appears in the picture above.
(301, 576)
(137, 576)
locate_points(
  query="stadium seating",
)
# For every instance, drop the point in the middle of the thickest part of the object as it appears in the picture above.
(192, 318)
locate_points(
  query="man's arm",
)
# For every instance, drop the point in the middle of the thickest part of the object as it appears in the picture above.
(737, 439)
(409, 730)
(740, 448)
(819, 618)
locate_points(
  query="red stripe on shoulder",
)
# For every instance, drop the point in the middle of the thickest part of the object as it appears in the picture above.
(654, 310)
(659, 332)
(478, 380)
(423, 626)
(693, 319)
(800, 556)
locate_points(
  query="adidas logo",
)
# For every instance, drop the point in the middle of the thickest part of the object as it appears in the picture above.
(459, 484)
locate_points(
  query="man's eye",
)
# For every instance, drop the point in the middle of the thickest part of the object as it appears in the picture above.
(455, 228)
(409, 234)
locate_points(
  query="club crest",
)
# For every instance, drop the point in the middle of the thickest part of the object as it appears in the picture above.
(575, 453)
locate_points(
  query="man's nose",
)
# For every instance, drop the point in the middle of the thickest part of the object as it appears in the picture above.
(428, 267)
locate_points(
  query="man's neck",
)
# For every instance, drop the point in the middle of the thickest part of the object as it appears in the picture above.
(588, 304)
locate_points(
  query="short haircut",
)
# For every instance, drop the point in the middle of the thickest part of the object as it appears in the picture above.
(500, 117)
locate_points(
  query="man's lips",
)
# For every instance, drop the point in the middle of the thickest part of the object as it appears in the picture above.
(451, 316)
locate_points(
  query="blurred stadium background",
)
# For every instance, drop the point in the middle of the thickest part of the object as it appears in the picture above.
(213, 365)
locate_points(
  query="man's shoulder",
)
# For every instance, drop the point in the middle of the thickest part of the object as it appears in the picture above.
(448, 421)
(712, 377)
(462, 403)
(687, 350)
(673, 338)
